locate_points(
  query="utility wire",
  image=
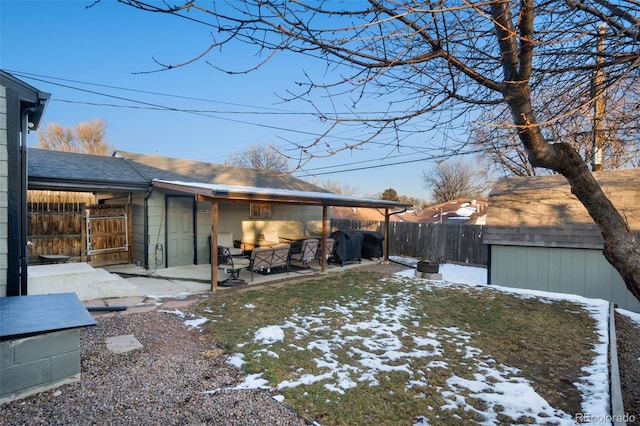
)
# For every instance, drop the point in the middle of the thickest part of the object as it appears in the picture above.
(208, 113)
(353, 169)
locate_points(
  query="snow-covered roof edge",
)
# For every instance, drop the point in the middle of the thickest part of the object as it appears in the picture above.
(215, 190)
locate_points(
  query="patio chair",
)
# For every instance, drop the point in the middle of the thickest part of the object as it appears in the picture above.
(329, 244)
(264, 259)
(225, 239)
(232, 265)
(308, 252)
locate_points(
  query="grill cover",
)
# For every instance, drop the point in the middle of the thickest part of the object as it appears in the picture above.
(371, 244)
(348, 246)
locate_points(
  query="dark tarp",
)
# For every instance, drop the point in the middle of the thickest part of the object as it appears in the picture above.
(371, 244)
(347, 248)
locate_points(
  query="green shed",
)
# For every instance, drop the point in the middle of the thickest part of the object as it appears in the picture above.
(541, 237)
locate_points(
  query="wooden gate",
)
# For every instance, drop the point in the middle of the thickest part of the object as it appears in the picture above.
(97, 234)
(107, 234)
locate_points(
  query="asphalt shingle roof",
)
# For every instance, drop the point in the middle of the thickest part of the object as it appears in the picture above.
(126, 171)
(173, 169)
(72, 171)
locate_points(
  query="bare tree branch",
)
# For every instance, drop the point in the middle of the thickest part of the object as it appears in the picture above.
(444, 63)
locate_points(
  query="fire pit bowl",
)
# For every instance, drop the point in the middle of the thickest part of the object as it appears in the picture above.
(428, 267)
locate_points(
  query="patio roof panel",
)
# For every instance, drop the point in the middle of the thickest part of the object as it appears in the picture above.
(246, 193)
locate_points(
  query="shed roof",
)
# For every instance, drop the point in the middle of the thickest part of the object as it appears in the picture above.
(541, 210)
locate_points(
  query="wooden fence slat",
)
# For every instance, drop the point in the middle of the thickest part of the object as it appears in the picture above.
(458, 243)
(58, 227)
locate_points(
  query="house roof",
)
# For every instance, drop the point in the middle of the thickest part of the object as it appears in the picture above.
(541, 211)
(67, 171)
(174, 169)
(125, 171)
(36, 100)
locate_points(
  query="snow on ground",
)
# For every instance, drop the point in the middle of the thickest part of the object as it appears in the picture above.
(499, 386)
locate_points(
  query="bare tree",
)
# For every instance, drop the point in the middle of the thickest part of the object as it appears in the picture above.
(87, 138)
(435, 62)
(454, 179)
(336, 187)
(263, 157)
(619, 127)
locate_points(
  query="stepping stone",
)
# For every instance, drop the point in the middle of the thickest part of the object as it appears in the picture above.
(123, 343)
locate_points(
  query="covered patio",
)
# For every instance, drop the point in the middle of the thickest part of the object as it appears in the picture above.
(215, 193)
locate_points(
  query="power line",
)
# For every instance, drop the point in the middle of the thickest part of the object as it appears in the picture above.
(353, 169)
(186, 111)
(272, 110)
(209, 114)
(147, 92)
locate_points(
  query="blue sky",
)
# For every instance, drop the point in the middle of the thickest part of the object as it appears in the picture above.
(85, 57)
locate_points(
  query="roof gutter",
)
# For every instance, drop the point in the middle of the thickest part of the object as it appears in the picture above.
(85, 186)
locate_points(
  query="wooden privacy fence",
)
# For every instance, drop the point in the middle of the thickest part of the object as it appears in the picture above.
(459, 243)
(55, 228)
(98, 234)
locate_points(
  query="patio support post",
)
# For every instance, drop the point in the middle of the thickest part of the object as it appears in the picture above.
(385, 255)
(214, 245)
(323, 244)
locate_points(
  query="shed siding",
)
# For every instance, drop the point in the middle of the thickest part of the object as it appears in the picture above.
(137, 213)
(4, 194)
(560, 270)
(157, 230)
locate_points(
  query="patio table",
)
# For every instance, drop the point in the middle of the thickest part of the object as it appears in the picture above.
(248, 245)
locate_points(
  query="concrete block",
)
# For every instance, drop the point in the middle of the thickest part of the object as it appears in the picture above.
(19, 378)
(46, 345)
(428, 276)
(6, 354)
(65, 365)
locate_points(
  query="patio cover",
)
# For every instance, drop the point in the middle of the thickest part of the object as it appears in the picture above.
(214, 192)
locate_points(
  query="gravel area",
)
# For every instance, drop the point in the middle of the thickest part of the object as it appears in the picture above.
(181, 378)
(178, 378)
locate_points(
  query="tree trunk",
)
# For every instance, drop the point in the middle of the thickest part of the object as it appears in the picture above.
(621, 249)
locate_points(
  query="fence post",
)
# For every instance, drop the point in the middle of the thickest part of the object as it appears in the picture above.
(83, 235)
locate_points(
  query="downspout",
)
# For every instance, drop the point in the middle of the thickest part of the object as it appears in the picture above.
(24, 185)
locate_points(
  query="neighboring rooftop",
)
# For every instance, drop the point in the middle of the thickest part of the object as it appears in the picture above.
(470, 211)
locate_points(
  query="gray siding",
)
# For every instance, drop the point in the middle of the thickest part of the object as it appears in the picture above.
(561, 270)
(203, 231)
(4, 188)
